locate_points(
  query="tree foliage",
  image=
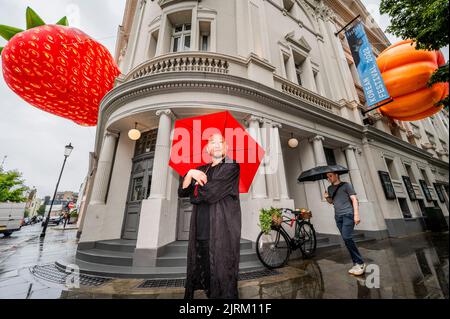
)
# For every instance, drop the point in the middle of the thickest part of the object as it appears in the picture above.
(12, 187)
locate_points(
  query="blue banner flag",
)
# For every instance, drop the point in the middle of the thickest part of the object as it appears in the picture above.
(366, 64)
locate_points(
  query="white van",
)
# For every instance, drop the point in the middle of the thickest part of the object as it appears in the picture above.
(11, 216)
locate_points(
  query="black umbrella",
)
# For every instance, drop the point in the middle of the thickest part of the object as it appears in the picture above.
(320, 172)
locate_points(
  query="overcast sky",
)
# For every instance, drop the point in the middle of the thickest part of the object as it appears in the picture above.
(33, 140)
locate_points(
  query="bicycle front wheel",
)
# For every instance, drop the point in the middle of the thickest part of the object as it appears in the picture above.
(273, 249)
(307, 239)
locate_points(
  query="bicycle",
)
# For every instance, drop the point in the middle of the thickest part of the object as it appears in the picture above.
(274, 248)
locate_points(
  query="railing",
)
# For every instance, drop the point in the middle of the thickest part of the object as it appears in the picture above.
(305, 95)
(184, 62)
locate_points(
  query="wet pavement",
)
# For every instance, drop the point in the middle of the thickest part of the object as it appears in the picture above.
(414, 267)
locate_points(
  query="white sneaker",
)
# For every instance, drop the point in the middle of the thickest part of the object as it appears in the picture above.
(357, 270)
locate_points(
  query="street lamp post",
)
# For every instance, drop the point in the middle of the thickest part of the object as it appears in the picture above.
(68, 149)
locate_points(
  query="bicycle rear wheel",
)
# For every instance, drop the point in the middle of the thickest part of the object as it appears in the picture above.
(307, 239)
(273, 249)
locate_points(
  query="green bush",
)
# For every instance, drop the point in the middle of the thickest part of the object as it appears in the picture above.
(265, 218)
(41, 210)
(74, 214)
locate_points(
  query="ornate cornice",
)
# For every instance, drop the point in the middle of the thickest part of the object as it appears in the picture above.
(220, 83)
(165, 3)
(301, 42)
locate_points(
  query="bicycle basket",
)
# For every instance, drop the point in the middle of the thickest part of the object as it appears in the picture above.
(305, 214)
(277, 220)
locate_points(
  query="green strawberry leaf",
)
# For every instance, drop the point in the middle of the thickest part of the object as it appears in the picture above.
(33, 20)
(8, 32)
(1, 49)
(63, 21)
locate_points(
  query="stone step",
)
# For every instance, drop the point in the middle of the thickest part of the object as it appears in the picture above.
(106, 257)
(181, 246)
(114, 258)
(180, 259)
(114, 271)
(174, 254)
(117, 245)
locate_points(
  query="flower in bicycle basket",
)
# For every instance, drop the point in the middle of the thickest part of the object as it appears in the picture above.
(268, 218)
(305, 213)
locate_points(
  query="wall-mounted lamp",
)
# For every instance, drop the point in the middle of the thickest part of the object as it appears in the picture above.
(134, 134)
(293, 142)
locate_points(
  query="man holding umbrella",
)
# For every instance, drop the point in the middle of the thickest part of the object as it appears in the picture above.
(343, 197)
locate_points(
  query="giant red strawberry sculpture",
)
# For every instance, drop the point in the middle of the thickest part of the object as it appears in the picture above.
(57, 68)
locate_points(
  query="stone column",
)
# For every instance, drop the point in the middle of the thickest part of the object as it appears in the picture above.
(329, 68)
(259, 189)
(163, 32)
(355, 173)
(344, 70)
(194, 30)
(139, 16)
(162, 154)
(270, 160)
(319, 153)
(319, 156)
(310, 83)
(281, 172)
(104, 168)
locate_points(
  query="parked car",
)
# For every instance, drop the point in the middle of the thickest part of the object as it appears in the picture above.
(11, 217)
(54, 220)
(26, 221)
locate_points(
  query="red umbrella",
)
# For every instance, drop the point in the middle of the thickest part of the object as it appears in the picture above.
(190, 139)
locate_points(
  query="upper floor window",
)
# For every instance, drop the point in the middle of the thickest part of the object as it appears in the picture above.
(444, 145)
(431, 138)
(205, 34)
(299, 62)
(415, 128)
(425, 176)
(298, 73)
(391, 168)
(153, 44)
(181, 37)
(410, 173)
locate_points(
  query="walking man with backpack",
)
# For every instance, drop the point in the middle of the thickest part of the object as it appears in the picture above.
(343, 197)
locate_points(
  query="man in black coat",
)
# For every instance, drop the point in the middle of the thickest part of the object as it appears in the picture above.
(215, 229)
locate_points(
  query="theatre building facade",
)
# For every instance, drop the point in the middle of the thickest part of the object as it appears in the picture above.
(279, 69)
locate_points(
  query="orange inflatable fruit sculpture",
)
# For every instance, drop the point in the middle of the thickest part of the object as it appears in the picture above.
(57, 68)
(406, 72)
